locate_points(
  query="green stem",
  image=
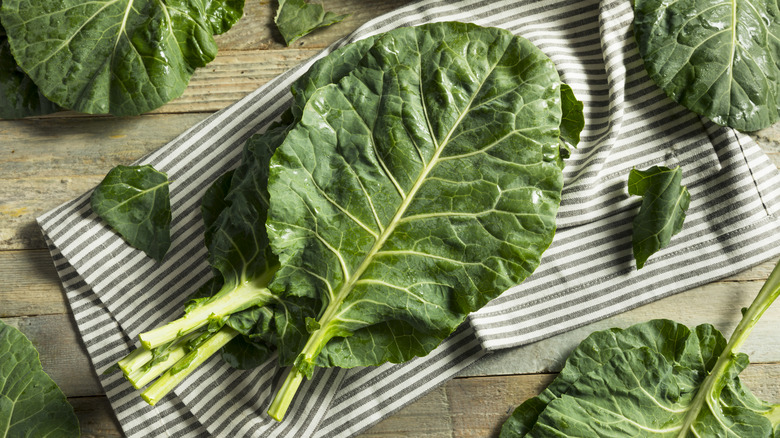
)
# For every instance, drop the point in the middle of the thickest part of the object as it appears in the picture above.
(286, 394)
(187, 364)
(709, 391)
(135, 360)
(141, 377)
(224, 303)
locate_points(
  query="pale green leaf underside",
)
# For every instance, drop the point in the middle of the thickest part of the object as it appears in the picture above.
(720, 59)
(416, 189)
(31, 404)
(641, 382)
(122, 57)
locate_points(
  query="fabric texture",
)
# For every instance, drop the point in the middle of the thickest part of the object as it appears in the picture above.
(588, 273)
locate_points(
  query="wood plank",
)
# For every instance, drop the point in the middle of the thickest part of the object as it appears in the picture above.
(31, 285)
(463, 407)
(96, 417)
(46, 164)
(256, 30)
(62, 354)
(716, 303)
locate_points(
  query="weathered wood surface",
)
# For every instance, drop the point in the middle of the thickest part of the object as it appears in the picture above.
(48, 160)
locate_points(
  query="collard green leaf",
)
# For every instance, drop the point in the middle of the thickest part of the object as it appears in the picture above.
(296, 18)
(243, 354)
(19, 96)
(238, 248)
(421, 186)
(134, 201)
(718, 59)
(572, 120)
(122, 57)
(31, 404)
(213, 203)
(642, 381)
(664, 203)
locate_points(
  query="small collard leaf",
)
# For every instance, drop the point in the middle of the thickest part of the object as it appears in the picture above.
(296, 18)
(718, 59)
(19, 96)
(664, 203)
(572, 119)
(122, 57)
(134, 201)
(31, 404)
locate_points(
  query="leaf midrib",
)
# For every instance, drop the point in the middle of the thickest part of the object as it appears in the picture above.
(333, 308)
(141, 193)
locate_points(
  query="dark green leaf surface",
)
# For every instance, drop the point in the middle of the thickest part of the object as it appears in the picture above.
(720, 59)
(122, 57)
(31, 404)
(243, 354)
(296, 18)
(641, 381)
(664, 203)
(421, 186)
(134, 201)
(19, 97)
(572, 120)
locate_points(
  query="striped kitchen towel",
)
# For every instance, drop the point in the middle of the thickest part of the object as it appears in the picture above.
(116, 292)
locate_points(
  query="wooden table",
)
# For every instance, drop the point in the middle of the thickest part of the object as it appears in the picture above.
(48, 160)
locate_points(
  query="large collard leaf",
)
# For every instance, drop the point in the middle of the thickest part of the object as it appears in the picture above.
(642, 381)
(122, 57)
(134, 200)
(31, 404)
(664, 203)
(297, 18)
(19, 95)
(720, 59)
(415, 190)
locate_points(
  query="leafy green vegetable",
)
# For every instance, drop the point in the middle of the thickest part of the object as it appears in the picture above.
(122, 57)
(31, 404)
(238, 247)
(657, 378)
(296, 18)
(664, 203)
(477, 159)
(225, 208)
(134, 201)
(412, 192)
(718, 59)
(19, 97)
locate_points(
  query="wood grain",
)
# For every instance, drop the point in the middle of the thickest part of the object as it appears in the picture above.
(473, 407)
(46, 162)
